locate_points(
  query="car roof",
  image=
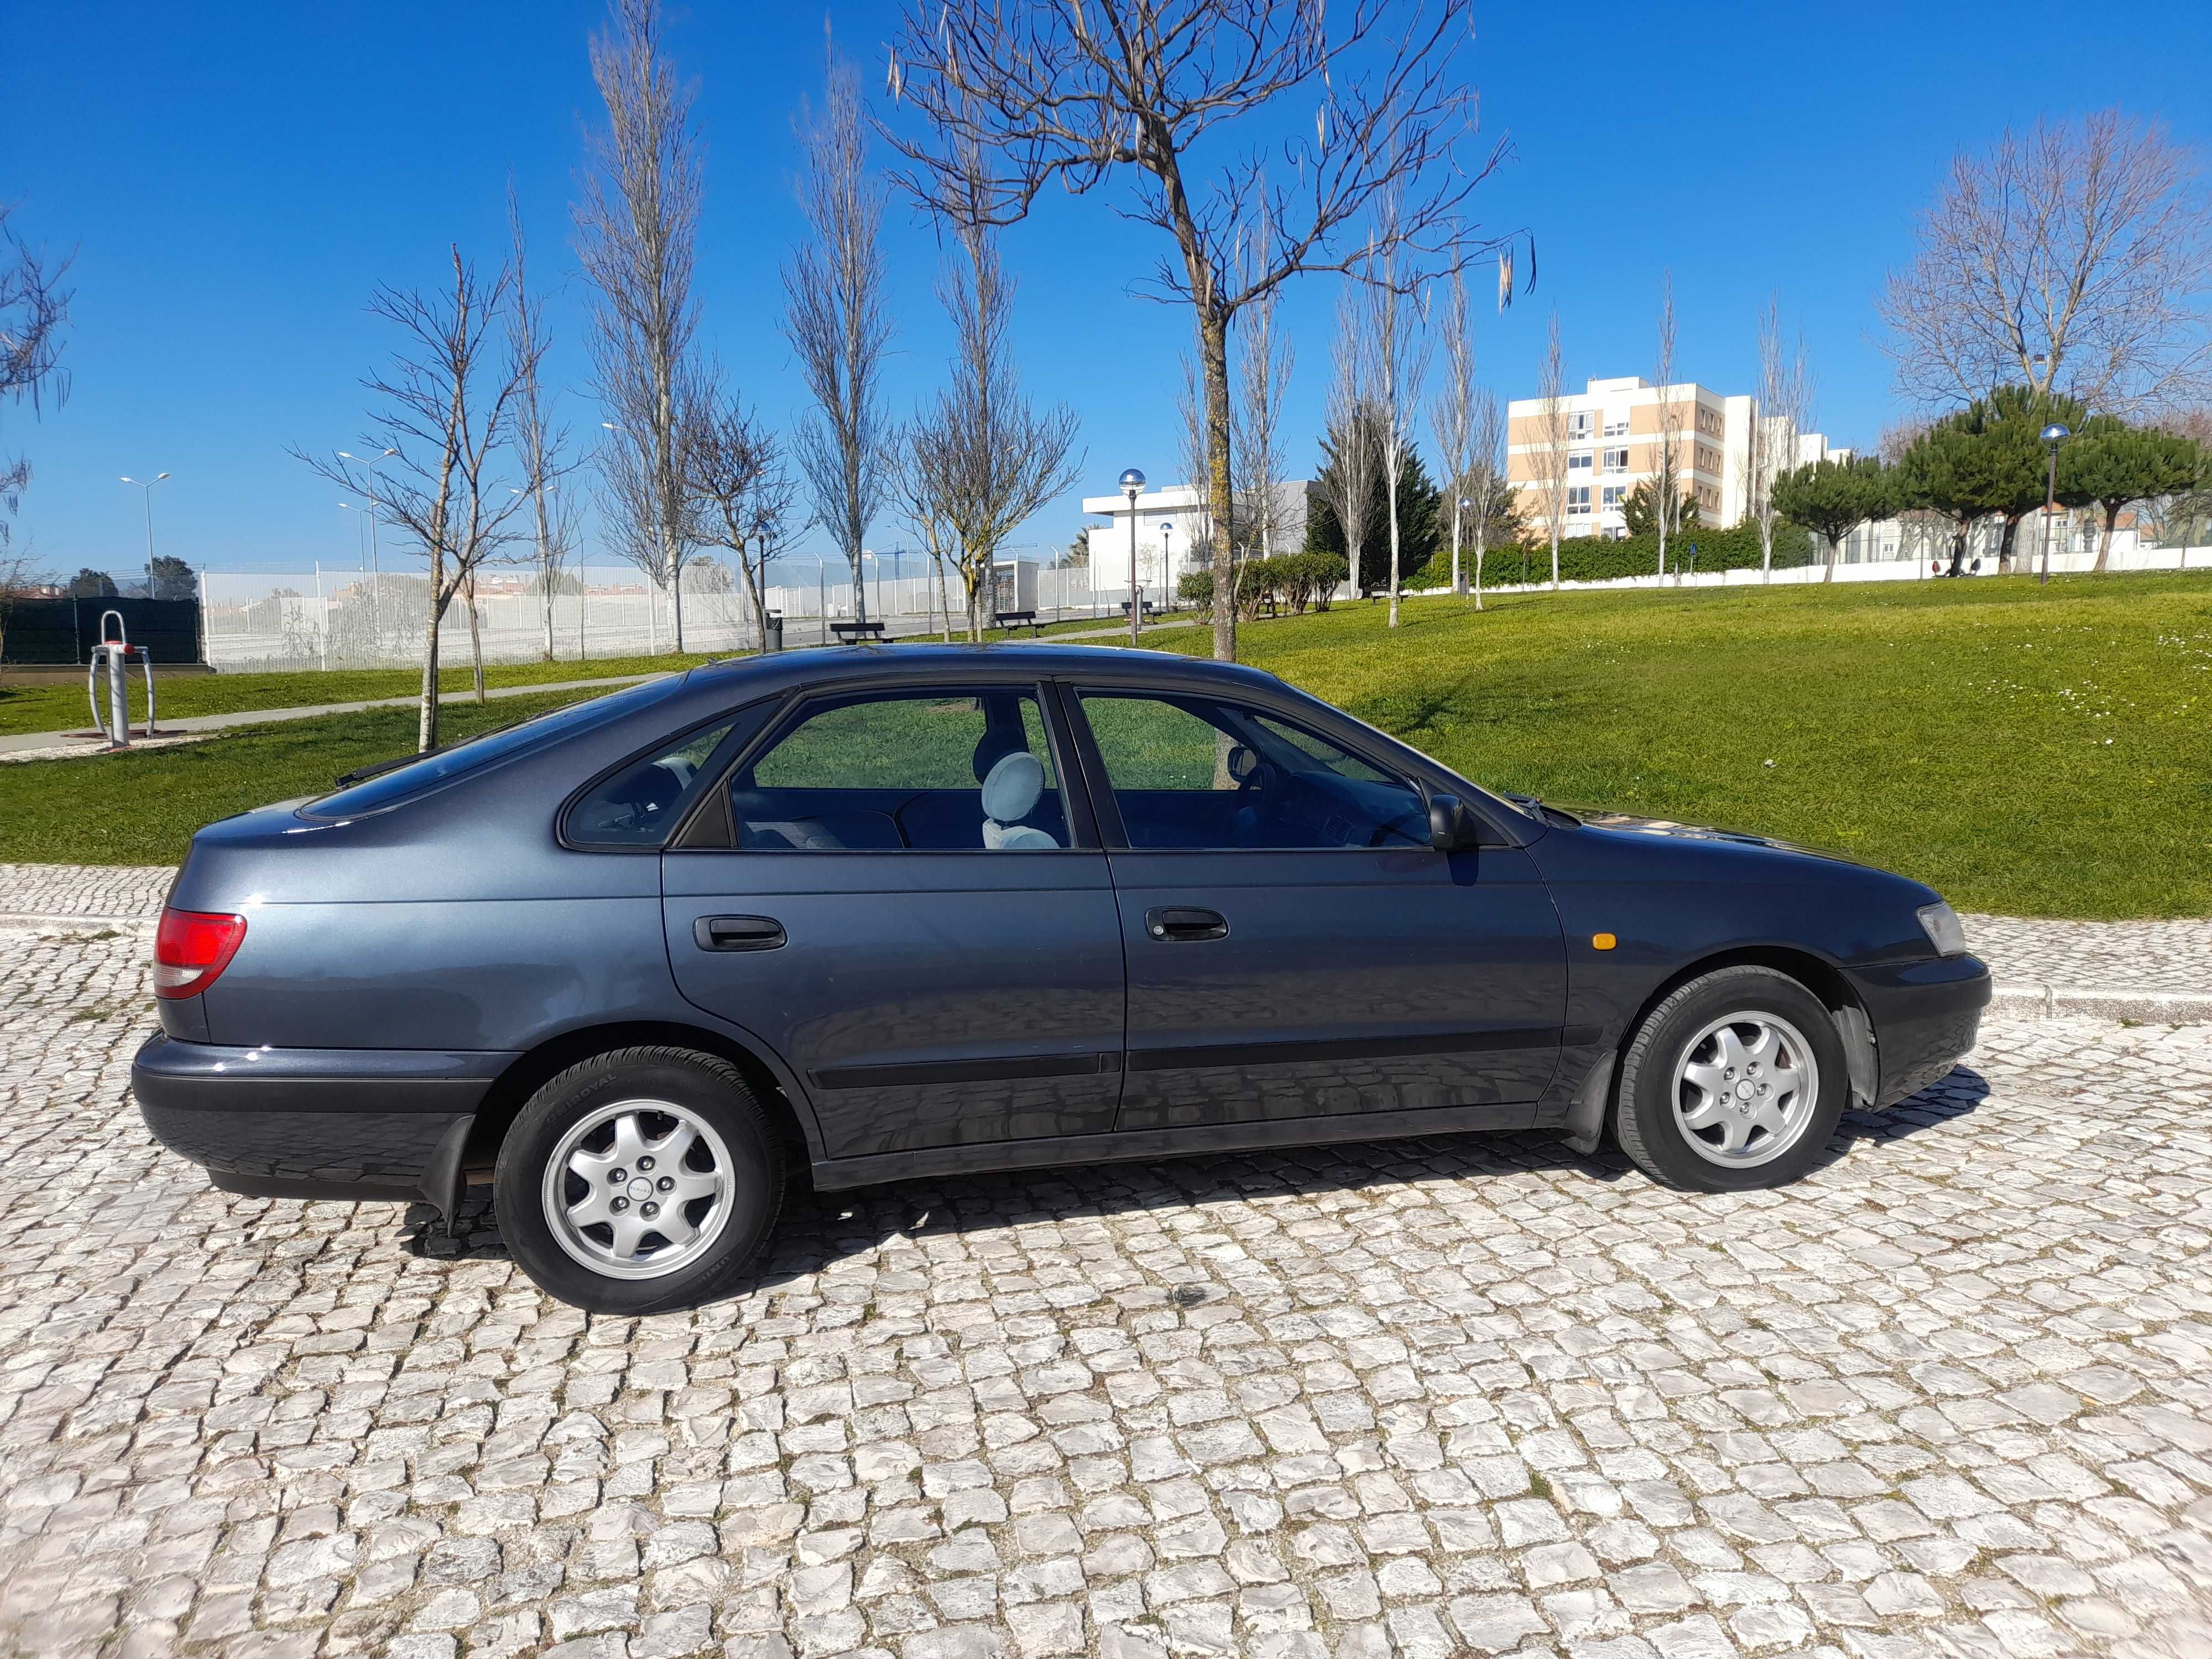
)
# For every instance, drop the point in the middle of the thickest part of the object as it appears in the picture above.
(814, 666)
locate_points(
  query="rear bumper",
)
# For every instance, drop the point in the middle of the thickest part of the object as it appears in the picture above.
(1925, 1017)
(346, 1123)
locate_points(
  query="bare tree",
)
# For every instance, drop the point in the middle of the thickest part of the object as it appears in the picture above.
(1667, 478)
(1486, 489)
(919, 481)
(987, 458)
(1264, 363)
(33, 312)
(543, 444)
(838, 320)
(1068, 93)
(2070, 258)
(1551, 456)
(636, 228)
(1783, 411)
(450, 413)
(742, 497)
(1452, 419)
(1347, 482)
(1400, 357)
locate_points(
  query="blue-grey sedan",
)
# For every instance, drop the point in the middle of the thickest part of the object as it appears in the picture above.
(879, 914)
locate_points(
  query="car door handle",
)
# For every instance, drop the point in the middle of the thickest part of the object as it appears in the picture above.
(737, 933)
(1174, 924)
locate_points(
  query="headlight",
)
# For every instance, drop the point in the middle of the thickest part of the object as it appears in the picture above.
(1944, 929)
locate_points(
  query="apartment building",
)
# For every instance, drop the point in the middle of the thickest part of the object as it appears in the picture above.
(1612, 436)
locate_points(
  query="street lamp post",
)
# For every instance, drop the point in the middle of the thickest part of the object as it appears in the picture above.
(1459, 581)
(148, 486)
(2053, 435)
(1167, 558)
(1132, 484)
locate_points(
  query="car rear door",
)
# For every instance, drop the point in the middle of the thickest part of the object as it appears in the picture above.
(934, 975)
(1296, 947)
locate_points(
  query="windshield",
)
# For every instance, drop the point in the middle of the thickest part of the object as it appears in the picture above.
(492, 747)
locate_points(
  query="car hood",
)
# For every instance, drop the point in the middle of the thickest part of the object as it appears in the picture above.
(1601, 817)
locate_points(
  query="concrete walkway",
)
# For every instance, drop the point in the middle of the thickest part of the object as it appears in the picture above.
(92, 742)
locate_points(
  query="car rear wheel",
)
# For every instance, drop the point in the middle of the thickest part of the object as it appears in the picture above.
(640, 1181)
(1734, 1081)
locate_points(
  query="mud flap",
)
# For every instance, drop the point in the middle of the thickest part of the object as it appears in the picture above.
(443, 1179)
(1585, 1120)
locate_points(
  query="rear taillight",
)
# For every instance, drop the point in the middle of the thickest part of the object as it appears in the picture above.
(191, 949)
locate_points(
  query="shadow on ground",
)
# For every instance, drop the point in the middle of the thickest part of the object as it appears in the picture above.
(819, 1228)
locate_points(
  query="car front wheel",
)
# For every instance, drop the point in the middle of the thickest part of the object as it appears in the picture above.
(638, 1181)
(1734, 1081)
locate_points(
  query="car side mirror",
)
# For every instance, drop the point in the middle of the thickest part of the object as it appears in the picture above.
(1453, 826)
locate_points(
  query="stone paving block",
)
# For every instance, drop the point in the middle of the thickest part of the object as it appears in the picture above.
(1472, 1394)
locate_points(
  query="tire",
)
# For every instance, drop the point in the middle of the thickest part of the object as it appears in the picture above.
(693, 1152)
(1682, 1113)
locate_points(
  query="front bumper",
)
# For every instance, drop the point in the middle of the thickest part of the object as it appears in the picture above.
(345, 1123)
(1925, 1017)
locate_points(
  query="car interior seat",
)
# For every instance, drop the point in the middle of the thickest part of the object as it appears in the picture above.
(1010, 792)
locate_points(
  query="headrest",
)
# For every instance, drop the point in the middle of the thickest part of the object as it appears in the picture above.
(1011, 790)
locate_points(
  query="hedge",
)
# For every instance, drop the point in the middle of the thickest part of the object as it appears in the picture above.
(1296, 580)
(1588, 559)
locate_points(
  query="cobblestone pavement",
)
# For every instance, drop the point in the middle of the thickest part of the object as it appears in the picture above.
(2148, 955)
(1462, 1395)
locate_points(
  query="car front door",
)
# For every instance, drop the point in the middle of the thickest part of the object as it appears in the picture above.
(1296, 946)
(907, 911)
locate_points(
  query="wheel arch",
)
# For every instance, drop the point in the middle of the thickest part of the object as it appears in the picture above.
(1591, 1114)
(530, 1071)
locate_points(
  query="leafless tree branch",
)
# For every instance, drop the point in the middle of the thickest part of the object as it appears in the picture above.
(2074, 259)
(1372, 95)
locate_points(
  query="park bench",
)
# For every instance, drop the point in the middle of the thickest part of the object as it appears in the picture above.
(1010, 620)
(848, 632)
(1151, 610)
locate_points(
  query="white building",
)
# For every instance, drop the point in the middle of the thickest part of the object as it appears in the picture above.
(1173, 535)
(1612, 436)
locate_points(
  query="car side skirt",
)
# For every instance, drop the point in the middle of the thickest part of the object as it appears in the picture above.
(834, 1175)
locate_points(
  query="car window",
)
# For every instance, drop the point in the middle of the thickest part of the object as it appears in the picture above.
(443, 765)
(640, 805)
(1197, 773)
(925, 771)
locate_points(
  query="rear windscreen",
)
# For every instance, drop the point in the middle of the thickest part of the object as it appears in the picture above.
(446, 765)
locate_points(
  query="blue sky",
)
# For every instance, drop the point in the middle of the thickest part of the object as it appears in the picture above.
(235, 177)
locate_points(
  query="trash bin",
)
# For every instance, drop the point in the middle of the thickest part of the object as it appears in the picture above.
(772, 638)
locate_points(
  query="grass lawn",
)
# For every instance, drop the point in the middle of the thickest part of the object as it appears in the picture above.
(2029, 751)
(141, 806)
(61, 707)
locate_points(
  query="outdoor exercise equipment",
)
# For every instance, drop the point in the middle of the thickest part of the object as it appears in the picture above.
(110, 666)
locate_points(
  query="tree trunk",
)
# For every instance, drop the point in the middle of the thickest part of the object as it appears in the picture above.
(1214, 354)
(1555, 558)
(1835, 546)
(1481, 538)
(426, 729)
(476, 638)
(1766, 550)
(1459, 582)
(1390, 500)
(2005, 543)
(675, 597)
(545, 566)
(2105, 540)
(753, 587)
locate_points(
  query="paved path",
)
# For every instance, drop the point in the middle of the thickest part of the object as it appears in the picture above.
(93, 744)
(1949, 1395)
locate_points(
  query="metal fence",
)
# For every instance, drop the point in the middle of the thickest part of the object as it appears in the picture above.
(322, 617)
